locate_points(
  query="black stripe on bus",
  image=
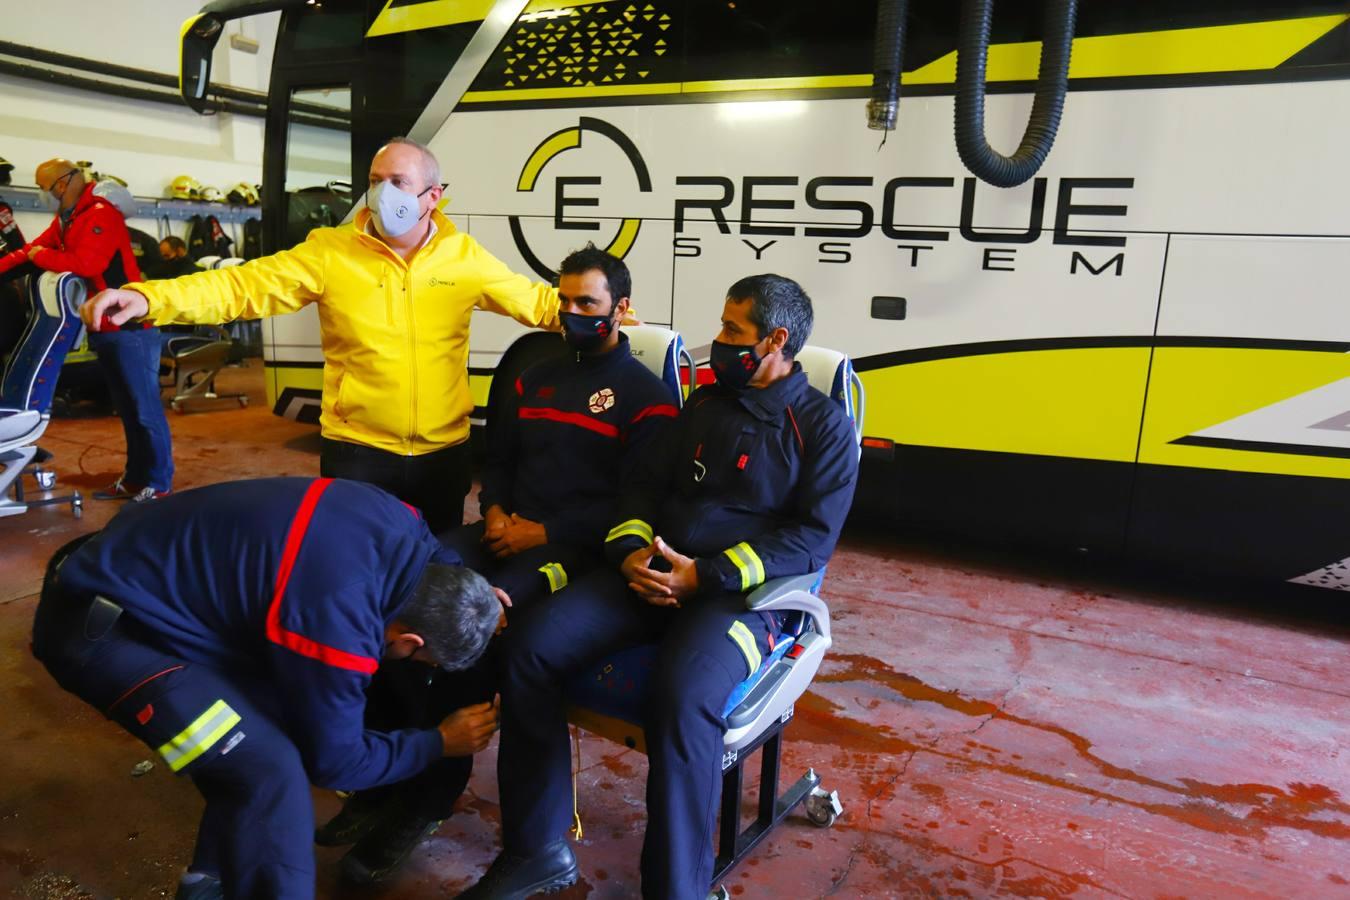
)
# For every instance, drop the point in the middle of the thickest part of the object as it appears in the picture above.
(987, 348)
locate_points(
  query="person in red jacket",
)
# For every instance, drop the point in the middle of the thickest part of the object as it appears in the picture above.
(89, 237)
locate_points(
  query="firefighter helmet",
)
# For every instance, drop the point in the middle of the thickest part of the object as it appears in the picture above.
(243, 194)
(185, 187)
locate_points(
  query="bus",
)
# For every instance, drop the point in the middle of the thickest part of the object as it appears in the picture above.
(1143, 350)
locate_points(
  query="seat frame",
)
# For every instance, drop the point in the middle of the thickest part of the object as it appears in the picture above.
(34, 390)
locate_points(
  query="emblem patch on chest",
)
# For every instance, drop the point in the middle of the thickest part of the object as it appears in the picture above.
(601, 400)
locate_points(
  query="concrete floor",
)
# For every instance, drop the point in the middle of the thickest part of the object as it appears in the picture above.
(994, 726)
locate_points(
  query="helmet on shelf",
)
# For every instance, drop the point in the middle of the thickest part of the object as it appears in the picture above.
(185, 187)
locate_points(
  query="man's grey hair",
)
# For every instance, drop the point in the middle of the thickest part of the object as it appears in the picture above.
(455, 611)
(431, 169)
(776, 302)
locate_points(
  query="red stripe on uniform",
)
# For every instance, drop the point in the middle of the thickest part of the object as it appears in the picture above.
(663, 409)
(567, 418)
(297, 643)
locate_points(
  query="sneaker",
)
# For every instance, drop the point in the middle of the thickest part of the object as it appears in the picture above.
(149, 493)
(202, 887)
(386, 846)
(358, 816)
(518, 877)
(118, 490)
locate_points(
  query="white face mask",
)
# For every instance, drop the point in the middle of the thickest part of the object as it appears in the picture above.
(395, 211)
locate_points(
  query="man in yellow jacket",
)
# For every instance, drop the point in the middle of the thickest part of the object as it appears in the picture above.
(395, 291)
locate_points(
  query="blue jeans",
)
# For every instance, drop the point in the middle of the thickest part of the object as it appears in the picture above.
(130, 359)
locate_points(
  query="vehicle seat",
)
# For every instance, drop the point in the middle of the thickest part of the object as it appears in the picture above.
(195, 358)
(29, 386)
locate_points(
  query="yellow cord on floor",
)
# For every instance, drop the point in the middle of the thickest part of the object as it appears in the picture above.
(576, 768)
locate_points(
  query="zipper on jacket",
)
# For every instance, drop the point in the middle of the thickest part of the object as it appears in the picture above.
(412, 358)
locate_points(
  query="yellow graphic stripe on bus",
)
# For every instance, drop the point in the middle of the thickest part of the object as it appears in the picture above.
(429, 14)
(1194, 388)
(563, 140)
(1086, 403)
(1183, 51)
(623, 241)
(1082, 403)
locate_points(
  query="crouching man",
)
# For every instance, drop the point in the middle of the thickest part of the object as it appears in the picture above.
(234, 629)
(752, 482)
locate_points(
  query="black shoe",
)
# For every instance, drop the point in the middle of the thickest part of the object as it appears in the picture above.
(204, 888)
(386, 847)
(518, 877)
(354, 821)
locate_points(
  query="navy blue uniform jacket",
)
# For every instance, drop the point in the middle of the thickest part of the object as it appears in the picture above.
(755, 484)
(290, 581)
(568, 435)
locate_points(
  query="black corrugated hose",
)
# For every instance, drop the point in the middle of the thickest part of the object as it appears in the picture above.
(887, 54)
(1052, 83)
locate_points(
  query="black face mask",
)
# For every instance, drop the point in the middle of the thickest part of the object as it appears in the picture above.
(734, 364)
(586, 333)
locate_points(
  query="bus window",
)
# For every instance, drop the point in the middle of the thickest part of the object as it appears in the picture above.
(318, 167)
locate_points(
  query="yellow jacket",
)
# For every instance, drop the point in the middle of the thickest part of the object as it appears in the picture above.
(395, 335)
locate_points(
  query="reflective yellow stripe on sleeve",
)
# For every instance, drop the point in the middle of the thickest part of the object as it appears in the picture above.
(635, 527)
(745, 639)
(556, 575)
(200, 736)
(748, 562)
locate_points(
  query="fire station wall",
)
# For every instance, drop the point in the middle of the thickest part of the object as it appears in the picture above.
(146, 144)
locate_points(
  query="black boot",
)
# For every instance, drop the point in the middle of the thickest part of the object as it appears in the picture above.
(518, 877)
(357, 817)
(387, 846)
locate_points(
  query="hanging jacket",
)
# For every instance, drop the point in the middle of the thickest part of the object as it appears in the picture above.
(11, 238)
(92, 242)
(395, 334)
(568, 435)
(287, 580)
(755, 484)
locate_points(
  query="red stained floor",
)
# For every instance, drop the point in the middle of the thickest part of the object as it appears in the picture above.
(995, 726)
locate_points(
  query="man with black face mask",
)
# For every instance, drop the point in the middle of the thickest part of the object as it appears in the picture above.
(752, 482)
(570, 432)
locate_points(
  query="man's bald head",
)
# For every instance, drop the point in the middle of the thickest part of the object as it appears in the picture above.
(63, 179)
(406, 163)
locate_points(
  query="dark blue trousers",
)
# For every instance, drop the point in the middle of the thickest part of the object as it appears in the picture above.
(410, 696)
(130, 360)
(256, 832)
(522, 576)
(698, 665)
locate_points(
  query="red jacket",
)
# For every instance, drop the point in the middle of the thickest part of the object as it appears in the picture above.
(93, 244)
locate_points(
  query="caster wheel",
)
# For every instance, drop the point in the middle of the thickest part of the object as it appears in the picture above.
(45, 480)
(243, 401)
(77, 506)
(823, 807)
(176, 406)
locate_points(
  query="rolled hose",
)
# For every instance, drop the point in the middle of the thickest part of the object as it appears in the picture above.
(1052, 82)
(887, 63)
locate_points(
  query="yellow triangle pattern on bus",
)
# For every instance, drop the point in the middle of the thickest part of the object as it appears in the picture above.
(1252, 46)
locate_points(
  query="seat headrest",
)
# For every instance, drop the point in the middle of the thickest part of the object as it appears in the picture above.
(831, 373)
(660, 350)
